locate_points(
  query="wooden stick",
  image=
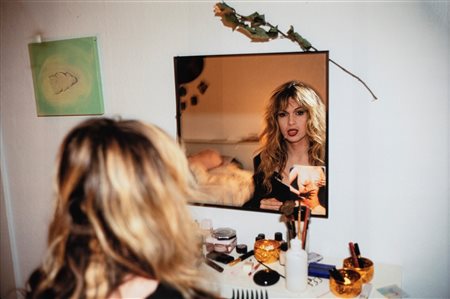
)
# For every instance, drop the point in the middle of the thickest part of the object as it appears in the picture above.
(305, 227)
(351, 247)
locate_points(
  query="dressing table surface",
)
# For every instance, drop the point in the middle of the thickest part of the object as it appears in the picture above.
(234, 277)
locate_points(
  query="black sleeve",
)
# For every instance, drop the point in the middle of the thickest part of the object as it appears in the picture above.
(258, 194)
(279, 190)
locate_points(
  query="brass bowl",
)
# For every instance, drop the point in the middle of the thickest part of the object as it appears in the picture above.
(348, 289)
(267, 251)
(366, 271)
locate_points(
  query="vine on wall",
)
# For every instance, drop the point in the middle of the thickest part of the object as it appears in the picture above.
(258, 29)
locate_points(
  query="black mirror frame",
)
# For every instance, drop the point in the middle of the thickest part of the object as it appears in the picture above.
(195, 65)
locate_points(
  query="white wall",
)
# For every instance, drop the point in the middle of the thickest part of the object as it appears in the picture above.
(389, 159)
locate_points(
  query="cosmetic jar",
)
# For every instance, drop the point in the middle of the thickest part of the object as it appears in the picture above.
(222, 240)
(241, 248)
(267, 251)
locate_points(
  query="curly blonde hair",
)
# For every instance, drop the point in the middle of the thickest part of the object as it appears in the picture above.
(273, 146)
(121, 189)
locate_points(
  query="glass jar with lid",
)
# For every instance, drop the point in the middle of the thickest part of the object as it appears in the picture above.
(222, 240)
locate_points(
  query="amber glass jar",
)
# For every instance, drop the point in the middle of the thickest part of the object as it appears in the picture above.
(267, 251)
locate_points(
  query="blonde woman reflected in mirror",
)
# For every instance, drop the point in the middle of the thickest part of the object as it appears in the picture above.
(121, 227)
(294, 134)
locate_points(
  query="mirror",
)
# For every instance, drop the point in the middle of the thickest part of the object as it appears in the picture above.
(221, 101)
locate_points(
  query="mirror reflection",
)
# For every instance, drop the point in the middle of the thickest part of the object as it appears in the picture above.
(254, 127)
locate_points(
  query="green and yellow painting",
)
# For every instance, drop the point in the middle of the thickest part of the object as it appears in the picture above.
(66, 77)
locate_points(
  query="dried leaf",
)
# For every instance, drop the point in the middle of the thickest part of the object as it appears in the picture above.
(256, 34)
(260, 34)
(295, 37)
(255, 19)
(273, 32)
(230, 20)
(221, 8)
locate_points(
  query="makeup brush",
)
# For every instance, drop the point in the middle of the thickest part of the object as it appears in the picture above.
(241, 258)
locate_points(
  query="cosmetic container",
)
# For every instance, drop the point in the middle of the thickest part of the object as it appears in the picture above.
(222, 240)
(206, 228)
(278, 237)
(283, 249)
(366, 270)
(296, 268)
(346, 284)
(267, 251)
(241, 248)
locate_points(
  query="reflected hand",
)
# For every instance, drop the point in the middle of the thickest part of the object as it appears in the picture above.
(310, 196)
(270, 204)
(322, 179)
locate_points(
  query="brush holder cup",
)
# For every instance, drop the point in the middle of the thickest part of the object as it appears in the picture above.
(350, 287)
(366, 270)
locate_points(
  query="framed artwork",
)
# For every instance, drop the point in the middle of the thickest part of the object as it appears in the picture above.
(221, 101)
(66, 77)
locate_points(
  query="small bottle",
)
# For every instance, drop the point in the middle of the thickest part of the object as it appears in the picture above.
(206, 228)
(260, 237)
(278, 237)
(296, 269)
(283, 249)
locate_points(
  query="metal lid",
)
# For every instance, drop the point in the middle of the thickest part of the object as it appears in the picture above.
(224, 233)
(278, 236)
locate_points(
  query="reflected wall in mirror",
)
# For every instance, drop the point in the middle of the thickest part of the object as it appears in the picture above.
(221, 102)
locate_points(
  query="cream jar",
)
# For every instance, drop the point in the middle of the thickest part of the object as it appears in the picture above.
(222, 240)
(267, 251)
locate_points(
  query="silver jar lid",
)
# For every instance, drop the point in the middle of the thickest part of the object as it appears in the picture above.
(224, 233)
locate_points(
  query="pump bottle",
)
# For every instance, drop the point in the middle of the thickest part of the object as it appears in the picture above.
(296, 268)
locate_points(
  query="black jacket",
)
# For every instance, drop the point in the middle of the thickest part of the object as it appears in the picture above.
(279, 190)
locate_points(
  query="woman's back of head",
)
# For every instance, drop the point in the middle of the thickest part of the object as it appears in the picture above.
(121, 188)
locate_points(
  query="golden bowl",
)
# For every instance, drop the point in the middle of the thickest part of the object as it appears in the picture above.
(348, 289)
(366, 271)
(267, 251)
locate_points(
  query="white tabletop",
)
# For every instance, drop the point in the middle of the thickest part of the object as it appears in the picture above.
(234, 277)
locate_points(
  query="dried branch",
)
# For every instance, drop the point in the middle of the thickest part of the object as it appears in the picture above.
(259, 30)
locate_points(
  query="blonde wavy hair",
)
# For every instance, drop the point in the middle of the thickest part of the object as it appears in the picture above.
(273, 146)
(121, 188)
